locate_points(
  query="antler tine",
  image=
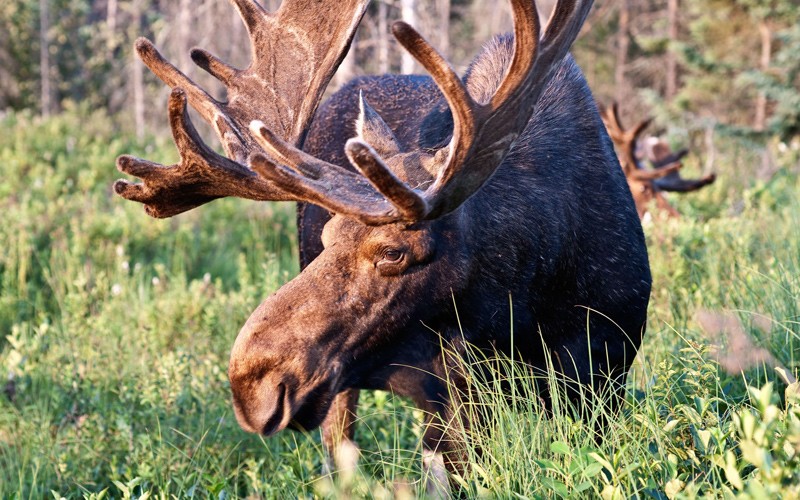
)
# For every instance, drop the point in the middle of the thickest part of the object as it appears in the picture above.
(217, 68)
(201, 101)
(668, 158)
(614, 114)
(462, 106)
(606, 116)
(334, 187)
(295, 52)
(204, 175)
(660, 154)
(628, 143)
(409, 204)
(625, 140)
(610, 118)
(641, 174)
(526, 47)
(636, 131)
(251, 13)
(675, 183)
(483, 133)
(617, 131)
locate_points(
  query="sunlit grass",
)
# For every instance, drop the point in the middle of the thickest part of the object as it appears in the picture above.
(115, 331)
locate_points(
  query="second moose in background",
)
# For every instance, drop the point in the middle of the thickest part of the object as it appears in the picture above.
(648, 184)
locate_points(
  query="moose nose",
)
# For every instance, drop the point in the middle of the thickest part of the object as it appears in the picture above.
(263, 411)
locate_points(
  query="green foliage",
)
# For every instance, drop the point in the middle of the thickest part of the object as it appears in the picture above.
(111, 341)
(717, 44)
(116, 330)
(781, 84)
(721, 68)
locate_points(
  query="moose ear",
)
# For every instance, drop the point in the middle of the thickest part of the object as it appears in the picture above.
(371, 129)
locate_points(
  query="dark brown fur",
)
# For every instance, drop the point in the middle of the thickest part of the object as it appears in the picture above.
(555, 229)
(510, 189)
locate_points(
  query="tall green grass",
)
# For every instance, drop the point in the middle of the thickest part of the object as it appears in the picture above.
(115, 331)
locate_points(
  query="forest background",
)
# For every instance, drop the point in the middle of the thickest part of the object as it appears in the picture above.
(718, 65)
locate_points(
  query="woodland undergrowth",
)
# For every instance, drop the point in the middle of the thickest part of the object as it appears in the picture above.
(115, 331)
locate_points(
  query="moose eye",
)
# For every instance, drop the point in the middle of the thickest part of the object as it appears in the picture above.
(391, 256)
(392, 262)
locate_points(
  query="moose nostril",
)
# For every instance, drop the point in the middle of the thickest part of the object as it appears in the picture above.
(263, 411)
(273, 422)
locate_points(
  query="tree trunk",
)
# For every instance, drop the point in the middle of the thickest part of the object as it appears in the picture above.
(443, 13)
(623, 43)
(111, 20)
(44, 58)
(184, 29)
(672, 61)
(237, 41)
(383, 37)
(137, 70)
(766, 58)
(408, 10)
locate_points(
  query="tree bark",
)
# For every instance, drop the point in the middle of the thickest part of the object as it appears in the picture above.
(111, 19)
(408, 10)
(623, 44)
(383, 37)
(184, 29)
(44, 58)
(672, 61)
(137, 70)
(237, 40)
(443, 12)
(764, 30)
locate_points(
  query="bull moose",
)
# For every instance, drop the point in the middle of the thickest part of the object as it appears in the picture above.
(424, 203)
(650, 184)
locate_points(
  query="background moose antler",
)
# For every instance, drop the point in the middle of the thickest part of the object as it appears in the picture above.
(659, 154)
(647, 184)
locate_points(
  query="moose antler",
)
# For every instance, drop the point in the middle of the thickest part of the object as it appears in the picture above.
(625, 140)
(270, 96)
(660, 154)
(665, 162)
(647, 184)
(483, 133)
(295, 52)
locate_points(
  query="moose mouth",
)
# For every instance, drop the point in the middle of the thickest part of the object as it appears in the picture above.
(313, 411)
(303, 416)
